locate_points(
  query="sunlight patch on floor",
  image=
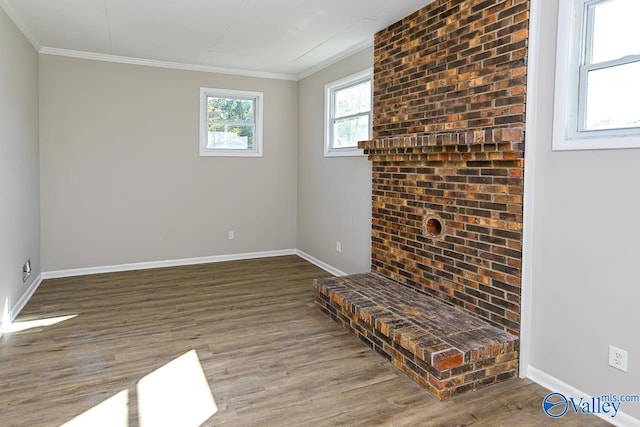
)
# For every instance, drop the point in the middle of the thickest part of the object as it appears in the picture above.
(30, 324)
(176, 394)
(113, 412)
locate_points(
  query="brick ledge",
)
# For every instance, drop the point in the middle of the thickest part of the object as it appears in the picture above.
(514, 135)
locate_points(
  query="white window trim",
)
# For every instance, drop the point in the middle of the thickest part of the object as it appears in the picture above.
(568, 102)
(231, 93)
(329, 88)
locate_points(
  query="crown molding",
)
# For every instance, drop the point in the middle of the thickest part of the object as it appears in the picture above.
(45, 50)
(163, 64)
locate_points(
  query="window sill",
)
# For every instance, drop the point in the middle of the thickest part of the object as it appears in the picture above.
(229, 153)
(345, 153)
(596, 143)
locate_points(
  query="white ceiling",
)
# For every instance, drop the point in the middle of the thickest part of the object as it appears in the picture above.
(277, 38)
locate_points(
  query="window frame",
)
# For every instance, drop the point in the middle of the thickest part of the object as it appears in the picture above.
(330, 90)
(572, 67)
(257, 97)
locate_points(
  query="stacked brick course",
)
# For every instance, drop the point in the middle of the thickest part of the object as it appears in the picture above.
(452, 65)
(445, 351)
(448, 145)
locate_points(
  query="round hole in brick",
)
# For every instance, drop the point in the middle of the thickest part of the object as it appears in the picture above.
(433, 227)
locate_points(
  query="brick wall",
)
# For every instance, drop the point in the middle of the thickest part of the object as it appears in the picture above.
(452, 65)
(447, 153)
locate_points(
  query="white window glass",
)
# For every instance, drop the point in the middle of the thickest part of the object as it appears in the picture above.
(613, 97)
(610, 71)
(348, 131)
(616, 32)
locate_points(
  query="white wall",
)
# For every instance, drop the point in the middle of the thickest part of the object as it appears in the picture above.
(585, 277)
(121, 178)
(19, 183)
(334, 193)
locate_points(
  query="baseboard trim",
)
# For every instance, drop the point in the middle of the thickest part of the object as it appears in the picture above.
(165, 263)
(551, 383)
(19, 305)
(323, 265)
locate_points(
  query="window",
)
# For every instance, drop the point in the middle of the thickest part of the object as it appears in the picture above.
(347, 114)
(597, 101)
(230, 123)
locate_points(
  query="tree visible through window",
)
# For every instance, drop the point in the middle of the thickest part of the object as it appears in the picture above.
(348, 112)
(230, 122)
(352, 106)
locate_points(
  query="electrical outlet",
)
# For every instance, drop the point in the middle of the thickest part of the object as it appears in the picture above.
(232, 235)
(338, 247)
(26, 270)
(618, 358)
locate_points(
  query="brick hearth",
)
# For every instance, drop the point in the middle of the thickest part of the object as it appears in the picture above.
(444, 350)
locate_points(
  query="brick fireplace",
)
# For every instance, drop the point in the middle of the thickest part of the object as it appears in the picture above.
(442, 300)
(447, 153)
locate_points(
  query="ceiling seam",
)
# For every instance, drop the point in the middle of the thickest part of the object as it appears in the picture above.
(231, 22)
(326, 41)
(106, 16)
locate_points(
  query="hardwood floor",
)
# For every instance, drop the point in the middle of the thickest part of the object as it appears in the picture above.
(270, 358)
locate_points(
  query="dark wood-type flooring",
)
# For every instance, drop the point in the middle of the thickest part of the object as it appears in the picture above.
(270, 358)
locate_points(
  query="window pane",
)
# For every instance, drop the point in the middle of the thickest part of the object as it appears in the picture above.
(613, 97)
(615, 30)
(230, 110)
(234, 137)
(353, 99)
(347, 132)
